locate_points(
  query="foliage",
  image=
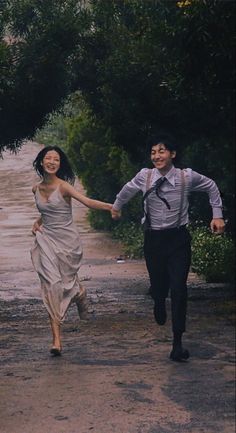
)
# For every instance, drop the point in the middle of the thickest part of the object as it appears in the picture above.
(207, 96)
(213, 256)
(37, 49)
(221, 169)
(157, 64)
(100, 164)
(55, 131)
(131, 236)
(137, 66)
(123, 67)
(147, 63)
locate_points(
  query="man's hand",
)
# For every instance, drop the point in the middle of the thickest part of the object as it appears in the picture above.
(217, 226)
(116, 214)
(37, 227)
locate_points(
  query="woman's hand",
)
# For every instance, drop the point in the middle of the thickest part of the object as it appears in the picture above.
(37, 226)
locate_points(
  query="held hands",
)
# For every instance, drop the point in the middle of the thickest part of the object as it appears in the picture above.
(217, 226)
(116, 214)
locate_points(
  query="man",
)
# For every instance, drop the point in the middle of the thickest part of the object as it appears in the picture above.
(167, 242)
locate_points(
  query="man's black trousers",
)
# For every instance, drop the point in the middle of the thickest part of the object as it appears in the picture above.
(168, 258)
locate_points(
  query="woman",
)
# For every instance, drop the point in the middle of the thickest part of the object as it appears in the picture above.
(57, 252)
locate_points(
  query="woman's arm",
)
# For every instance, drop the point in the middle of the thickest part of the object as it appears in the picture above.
(68, 190)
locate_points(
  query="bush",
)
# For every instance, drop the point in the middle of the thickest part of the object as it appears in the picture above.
(213, 256)
(131, 235)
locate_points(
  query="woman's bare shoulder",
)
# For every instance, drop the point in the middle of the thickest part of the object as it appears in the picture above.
(64, 186)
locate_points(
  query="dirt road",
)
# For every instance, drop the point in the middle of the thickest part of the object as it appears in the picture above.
(115, 375)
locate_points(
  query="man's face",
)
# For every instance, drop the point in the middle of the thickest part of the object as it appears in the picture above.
(162, 157)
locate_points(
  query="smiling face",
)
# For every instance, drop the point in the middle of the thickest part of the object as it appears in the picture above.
(51, 162)
(162, 158)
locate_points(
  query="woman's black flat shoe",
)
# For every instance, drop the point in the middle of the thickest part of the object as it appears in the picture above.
(55, 352)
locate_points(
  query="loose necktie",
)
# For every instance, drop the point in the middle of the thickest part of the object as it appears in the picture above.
(157, 186)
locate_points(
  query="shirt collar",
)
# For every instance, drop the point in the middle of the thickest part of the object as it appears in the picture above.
(170, 176)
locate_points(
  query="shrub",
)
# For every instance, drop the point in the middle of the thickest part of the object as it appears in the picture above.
(131, 235)
(212, 255)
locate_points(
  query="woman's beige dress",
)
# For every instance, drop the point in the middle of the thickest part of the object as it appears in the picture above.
(57, 254)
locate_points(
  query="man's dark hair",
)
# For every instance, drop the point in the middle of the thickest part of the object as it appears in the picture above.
(65, 171)
(164, 138)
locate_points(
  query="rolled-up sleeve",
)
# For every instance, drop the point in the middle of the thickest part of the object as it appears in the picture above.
(130, 189)
(202, 183)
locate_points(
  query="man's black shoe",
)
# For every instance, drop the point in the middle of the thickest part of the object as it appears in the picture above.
(160, 312)
(179, 354)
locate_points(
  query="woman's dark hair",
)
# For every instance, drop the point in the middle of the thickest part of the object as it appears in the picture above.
(65, 171)
(164, 138)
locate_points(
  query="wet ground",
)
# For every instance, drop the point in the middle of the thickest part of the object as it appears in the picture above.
(115, 375)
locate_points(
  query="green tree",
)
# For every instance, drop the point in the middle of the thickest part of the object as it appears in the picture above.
(206, 93)
(150, 65)
(37, 50)
(139, 65)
